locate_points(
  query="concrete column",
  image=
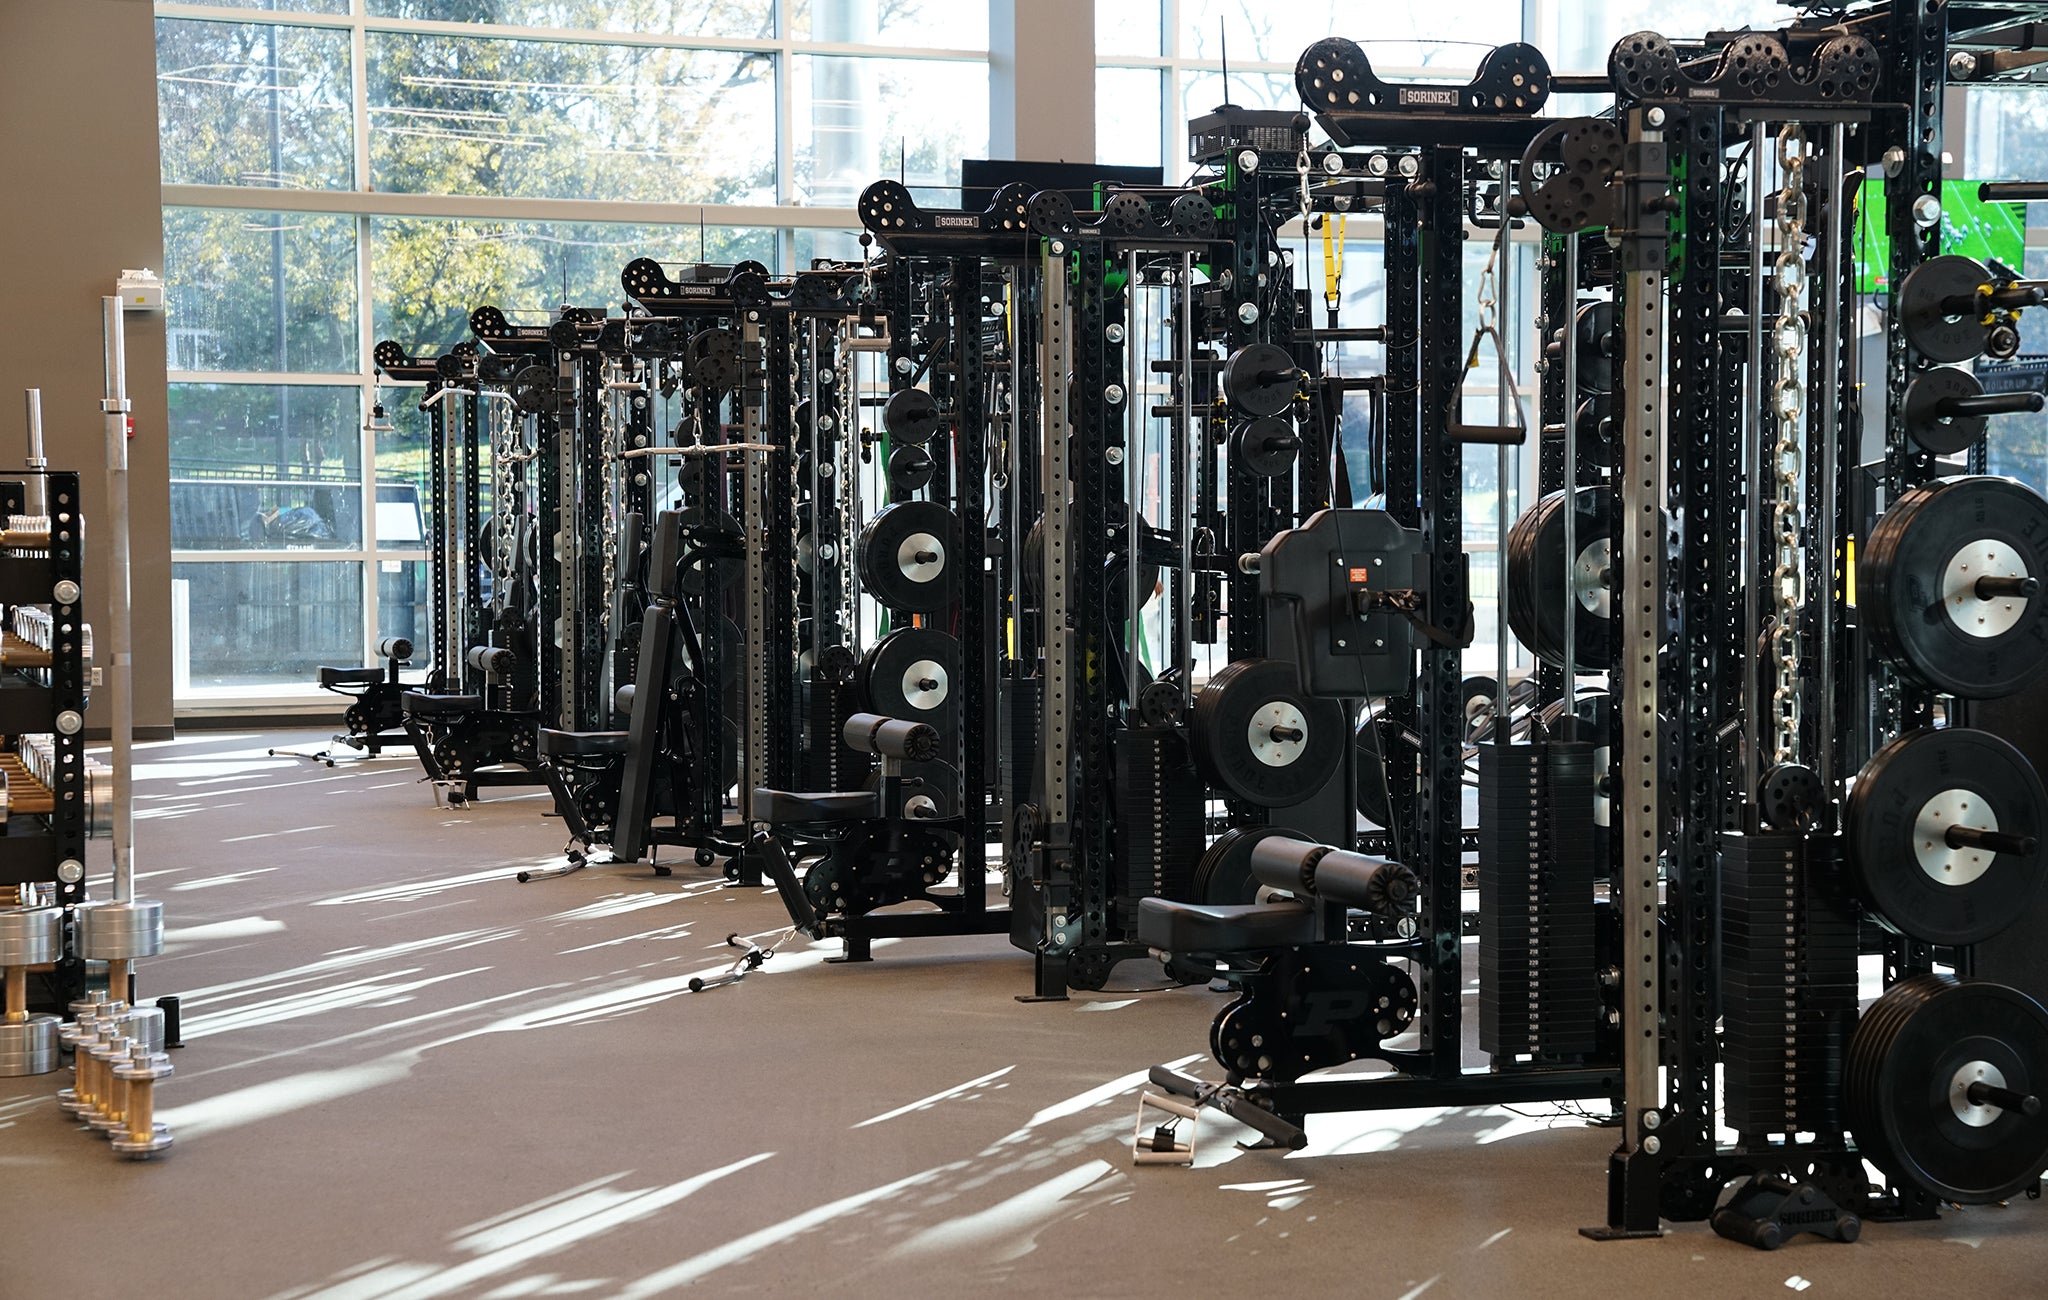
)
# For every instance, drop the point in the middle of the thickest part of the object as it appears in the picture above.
(1041, 80)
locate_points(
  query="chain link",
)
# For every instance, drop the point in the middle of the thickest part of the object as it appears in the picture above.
(504, 527)
(611, 438)
(1788, 402)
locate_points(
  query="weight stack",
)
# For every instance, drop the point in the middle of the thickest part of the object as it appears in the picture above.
(1020, 704)
(1158, 821)
(1788, 984)
(827, 762)
(1537, 990)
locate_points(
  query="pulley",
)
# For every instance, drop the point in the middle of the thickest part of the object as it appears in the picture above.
(1260, 379)
(906, 556)
(1944, 830)
(1540, 581)
(913, 674)
(714, 360)
(1264, 447)
(910, 468)
(532, 388)
(1192, 216)
(912, 415)
(1949, 585)
(1260, 736)
(1946, 409)
(1943, 1088)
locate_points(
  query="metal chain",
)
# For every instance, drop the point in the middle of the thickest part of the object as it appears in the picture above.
(1788, 401)
(504, 527)
(611, 438)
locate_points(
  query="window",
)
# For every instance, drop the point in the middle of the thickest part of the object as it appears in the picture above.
(342, 171)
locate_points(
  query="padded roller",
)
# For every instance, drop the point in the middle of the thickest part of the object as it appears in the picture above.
(394, 647)
(871, 733)
(1334, 875)
(490, 659)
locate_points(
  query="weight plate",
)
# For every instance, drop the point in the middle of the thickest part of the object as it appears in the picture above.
(911, 415)
(910, 468)
(1260, 379)
(913, 674)
(1031, 566)
(1942, 435)
(1900, 816)
(1372, 776)
(1922, 315)
(939, 782)
(1537, 579)
(1264, 447)
(1920, 585)
(906, 556)
(1260, 736)
(1595, 325)
(1918, 1067)
(1223, 874)
(1595, 432)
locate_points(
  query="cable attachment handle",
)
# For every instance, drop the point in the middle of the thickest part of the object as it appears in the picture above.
(1510, 435)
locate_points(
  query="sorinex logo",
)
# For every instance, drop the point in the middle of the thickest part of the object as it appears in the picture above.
(969, 223)
(1417, 95)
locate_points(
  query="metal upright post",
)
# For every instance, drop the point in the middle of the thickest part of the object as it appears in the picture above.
(120, 625)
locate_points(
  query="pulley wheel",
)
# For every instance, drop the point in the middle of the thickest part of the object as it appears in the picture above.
(532, 388)
(1259, 735)
(1260, 379)
(714, 360)
(910, 468)
(1539, 580)
(913, 674)
(1948, 585)
(1223, 874)
(1595, 326)
(1915, 850)
(1051, 213)
(1930, 329)
(1192, 216)
(906, 556)
(1264, 447)
(911, 415)
(1127, 214)
(1943, 1087)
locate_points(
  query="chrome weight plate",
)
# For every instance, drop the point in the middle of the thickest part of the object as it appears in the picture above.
(1943, 835)
(906, 556)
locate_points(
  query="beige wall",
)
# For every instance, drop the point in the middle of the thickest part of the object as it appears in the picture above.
(79, 200)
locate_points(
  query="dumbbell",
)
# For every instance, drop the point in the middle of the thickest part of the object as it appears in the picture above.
(143, 1136)
(26, 533)
(29, 936)
(85, 1038)
(120, 933)
(140, 1036)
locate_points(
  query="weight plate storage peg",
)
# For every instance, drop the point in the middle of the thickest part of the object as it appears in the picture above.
(910, 415)
(1260, 379)
(1943, 1088)
(1949, 585)
(1946, 409)
(1944, 828)
(913, 674)
(1258, 734)
(906, 556)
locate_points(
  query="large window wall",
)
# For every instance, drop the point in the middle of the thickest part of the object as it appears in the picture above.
(342, 171)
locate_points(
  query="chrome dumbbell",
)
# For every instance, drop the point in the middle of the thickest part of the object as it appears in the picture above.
(143, 1137)
(141, 1036)
(29, 936)
(119, 934)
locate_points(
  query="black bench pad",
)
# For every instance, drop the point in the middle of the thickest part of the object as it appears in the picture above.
(1239, 927)
(333, 677)
(779, 807)
(584, 744)
(421, 704)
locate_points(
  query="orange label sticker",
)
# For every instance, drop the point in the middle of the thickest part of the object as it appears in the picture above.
(1361, 575)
